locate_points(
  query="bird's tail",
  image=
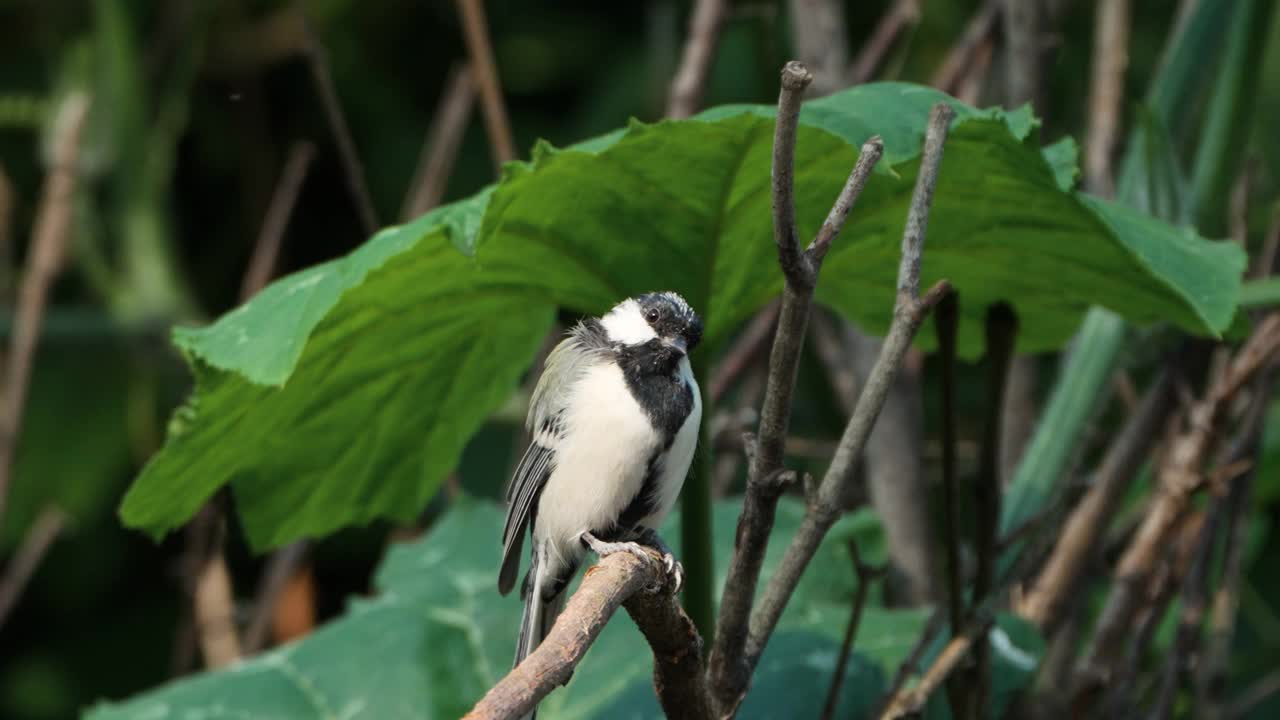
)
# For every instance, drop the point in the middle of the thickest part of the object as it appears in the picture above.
(539, 615)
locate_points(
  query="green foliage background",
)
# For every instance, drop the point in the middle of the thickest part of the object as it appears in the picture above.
(206, 99)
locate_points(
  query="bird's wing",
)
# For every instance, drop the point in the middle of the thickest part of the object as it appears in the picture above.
(585, 346)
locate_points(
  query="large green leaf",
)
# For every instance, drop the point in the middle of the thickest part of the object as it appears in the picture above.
(347, 391)
(437, 635)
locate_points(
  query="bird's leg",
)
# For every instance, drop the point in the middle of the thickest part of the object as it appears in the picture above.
(650, 537)
(603, 548)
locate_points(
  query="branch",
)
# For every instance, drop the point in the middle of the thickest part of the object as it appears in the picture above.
(981, 25)
(48, 249)
(690, 81)
(1084, 528)
(743, 351)
(1022, 47)
(1001, 332)
(1180, 476)
(353, 169)
(35, 544)
(730, 676)
(1106, 93)
(618, 580)
(435, 163)
(496, 124)
(946, 320)
(909, 312)
(911, 665)
(1211, 685)
(266, 250)
(866, 575)
(281, 567)
(901, 15)
(911, 702)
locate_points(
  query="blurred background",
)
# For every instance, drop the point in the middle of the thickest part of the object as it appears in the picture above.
(209, 114)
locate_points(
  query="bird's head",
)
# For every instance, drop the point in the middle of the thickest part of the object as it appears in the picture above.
(660, 319)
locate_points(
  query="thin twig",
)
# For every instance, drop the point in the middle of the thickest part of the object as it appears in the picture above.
(1195, 592)
(352, 168)
(30, 553)
(1211, 685)
(619, 579)
(1001, 331)
(911, 665)
(749, 343)
(476, 31)
(1180, 476)
(267, 249)
(212, 596)
(866, 575)
(690, 81)
(440, 150)
(1259, 692)
(910, 310)
(980, 26)
(281, 566)
(901, 15)
(1106, 93)
(946, 319)
(910, 702)
(48, 249)
(1083, 531)
(765, 478)
(7, 204)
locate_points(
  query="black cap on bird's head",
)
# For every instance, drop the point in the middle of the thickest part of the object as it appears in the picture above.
(664, 316)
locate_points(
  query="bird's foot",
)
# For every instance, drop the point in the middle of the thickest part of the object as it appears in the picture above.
(644, 547)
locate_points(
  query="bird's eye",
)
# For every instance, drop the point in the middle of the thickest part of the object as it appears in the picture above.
(651, 315)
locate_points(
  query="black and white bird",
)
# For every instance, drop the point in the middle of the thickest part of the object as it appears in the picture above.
(615, 420)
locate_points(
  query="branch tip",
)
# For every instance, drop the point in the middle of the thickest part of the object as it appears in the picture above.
(795, 76)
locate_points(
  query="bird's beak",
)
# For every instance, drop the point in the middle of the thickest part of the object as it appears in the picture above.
(678, 343)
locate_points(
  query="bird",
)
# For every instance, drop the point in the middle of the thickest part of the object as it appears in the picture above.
(614, 421)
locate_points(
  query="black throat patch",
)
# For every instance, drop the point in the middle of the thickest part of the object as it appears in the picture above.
(651, 371)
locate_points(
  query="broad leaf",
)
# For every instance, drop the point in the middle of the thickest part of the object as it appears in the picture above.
(437, 635)
(347, 391)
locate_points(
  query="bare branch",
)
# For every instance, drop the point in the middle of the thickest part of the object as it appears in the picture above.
(981, 25)
(353, 169)
(795, 79)
(909, 312)
(729, 674)
(48, 249)
(1001, 332)
(435, 163)
(911, 665)
(910, 702)
(738, 357)
(267, 249)
(1180, 476)
(476, 32)
(946, 320)
(902, 14)
(619, 579)
(1106, 93)
(1211, 684)
(35, 544)
(1050, 593)
(275, 578)
(690, 81)
(866, 575)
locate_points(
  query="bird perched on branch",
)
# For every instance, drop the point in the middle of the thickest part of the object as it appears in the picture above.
(615, 421)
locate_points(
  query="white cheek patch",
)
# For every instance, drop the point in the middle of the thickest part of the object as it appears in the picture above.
(625, 324)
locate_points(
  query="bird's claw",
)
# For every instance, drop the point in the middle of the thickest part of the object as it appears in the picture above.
(643, 547)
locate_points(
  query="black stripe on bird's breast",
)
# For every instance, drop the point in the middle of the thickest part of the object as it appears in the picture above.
(652, 374)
